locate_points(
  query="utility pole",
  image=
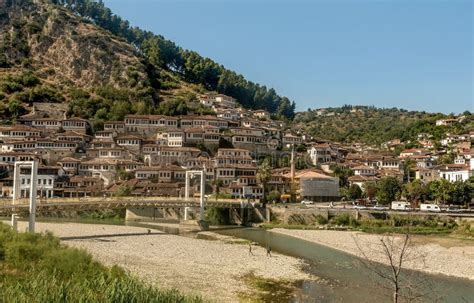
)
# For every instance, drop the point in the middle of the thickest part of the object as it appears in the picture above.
(202, 174)
(17, 191)
(292, 175)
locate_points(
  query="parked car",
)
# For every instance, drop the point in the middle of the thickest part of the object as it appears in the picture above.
(381, 207)
(430, 208)
(454, 209)
(307, 202)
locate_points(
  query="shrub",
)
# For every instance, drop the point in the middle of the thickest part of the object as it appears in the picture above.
(345, 219)
(218, 216)
(10, 87)
(321, 220)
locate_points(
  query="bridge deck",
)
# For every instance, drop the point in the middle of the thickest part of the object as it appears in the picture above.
(62, 204)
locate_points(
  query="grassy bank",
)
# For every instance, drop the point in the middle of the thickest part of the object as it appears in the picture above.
(394, 224)
(267, 290)
(37, 268)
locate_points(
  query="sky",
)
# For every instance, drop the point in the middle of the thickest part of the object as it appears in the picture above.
(416, 54)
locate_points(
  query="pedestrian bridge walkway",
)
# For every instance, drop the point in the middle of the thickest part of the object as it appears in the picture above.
(21, 206)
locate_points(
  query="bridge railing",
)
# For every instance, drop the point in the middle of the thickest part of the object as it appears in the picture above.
(97, 200)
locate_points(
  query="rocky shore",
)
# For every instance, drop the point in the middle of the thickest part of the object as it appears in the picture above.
(210, 268)
(435, 255)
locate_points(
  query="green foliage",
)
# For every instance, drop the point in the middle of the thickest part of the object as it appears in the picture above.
(376, 125)
(443, 191)
(10, 86)
(218, 216)
(321, 220)
(465, 229)
(37, 268)
(343, 173)
(44, 94)
(370, 190)
(354, 192)
(123, 191)
(15, 108)
(172, 108)
(4, 61)
(344, 219)
(415, 191)
(164, 54)
(388, 190)
(273, 196)
(264, 173)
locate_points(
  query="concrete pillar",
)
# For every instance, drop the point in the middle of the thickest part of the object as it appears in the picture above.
(34, 181)
(242, 212)
(15, 222)
(268, 214)
(186, 187)
(203, 188)
(186, 210)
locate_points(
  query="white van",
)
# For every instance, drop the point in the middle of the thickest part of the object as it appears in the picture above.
(401, 205)
(430, 207)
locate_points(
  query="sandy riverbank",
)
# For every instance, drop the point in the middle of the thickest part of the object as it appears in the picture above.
(209, 268)
(429, 254)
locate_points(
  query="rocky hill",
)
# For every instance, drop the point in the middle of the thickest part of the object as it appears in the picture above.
(66, 51)
(77, 53)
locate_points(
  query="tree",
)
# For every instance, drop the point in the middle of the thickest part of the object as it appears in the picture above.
(218, 183)
(15, 108)
(395, 251)
(123, 191)
(388, 190)
(461, 192)
(440, 190)
(415, 191)
(264, 174)
(370, 190)
(343, 173)
(122, 175)
(354, 192)
(408, 169)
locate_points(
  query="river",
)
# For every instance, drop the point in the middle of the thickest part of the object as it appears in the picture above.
(341, 277)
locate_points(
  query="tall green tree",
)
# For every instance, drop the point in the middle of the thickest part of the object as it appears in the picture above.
(415, 191)
(388, 190)
(264, 174)
(354, 192)
(440, 190)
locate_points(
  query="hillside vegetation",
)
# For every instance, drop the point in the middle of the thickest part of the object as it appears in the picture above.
(78, 52)
(372, 125)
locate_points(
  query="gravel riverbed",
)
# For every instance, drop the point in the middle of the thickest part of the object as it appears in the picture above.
(208, 268)
(435, 255)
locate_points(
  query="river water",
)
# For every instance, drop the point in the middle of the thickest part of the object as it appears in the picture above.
(345, 279)
(341, 277)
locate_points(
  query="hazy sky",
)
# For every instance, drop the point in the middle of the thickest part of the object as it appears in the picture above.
(414, 54)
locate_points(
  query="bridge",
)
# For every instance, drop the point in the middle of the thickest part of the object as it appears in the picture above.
(44, 206)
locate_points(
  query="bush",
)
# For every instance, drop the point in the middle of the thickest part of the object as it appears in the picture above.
(218, 216)
(10, 87)
(342, 219)
(321, 220)
(345, 219)
(273, 196)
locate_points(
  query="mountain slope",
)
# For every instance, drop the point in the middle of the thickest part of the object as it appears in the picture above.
(374, 126)
(79, 53)
(66, 51)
